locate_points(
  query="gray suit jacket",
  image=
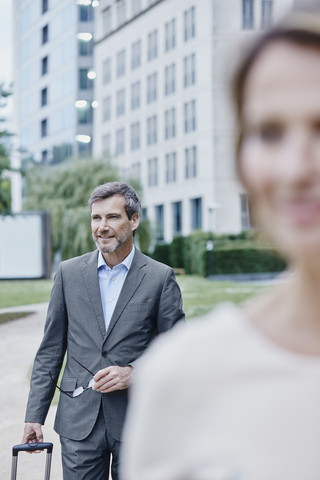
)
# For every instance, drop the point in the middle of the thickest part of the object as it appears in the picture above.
(149, 303)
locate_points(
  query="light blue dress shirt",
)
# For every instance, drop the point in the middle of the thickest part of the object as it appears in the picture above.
(111, 281)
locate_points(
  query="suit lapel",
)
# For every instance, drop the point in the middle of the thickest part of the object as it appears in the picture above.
(90, 276)
(132, 282)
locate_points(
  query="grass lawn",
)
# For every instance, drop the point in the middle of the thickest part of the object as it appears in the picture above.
(24, 292)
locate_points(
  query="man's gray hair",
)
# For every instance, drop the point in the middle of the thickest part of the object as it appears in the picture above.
(132, 201)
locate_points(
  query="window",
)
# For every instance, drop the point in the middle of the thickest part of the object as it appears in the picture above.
(106, 143)
(152, 130)
(171, 167)
(190, 157)
(44, 97)
(245, 212)
(153, 45)
(135, 136)
(152, 82)
(136, 54)
(170, 35)
(85, 13)
(44, 65)
(121, 63)
(106, 109)
(170, 124)
(152, 172)
(170, 79)
(196, 213)
(177, 218)
(189, 24)
(190, 116)
(44, 156)
(247, 14)
(85, 115)
(84, 82)
(159, 211)
(136, 7)
(106, 71)
(45, 6)
(121, 102)
(85, 48)
(120, 141)
(136, 171)
(45, 34)
(121, 12)
(266, 12)
(44, 127)
(107, 20)
(189, 70)
(135, 95)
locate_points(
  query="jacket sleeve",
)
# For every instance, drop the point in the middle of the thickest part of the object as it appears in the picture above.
(50, 355)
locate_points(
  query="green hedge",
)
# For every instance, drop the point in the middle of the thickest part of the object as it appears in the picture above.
(232, 254)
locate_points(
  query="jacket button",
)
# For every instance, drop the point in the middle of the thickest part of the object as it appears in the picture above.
(104, 354)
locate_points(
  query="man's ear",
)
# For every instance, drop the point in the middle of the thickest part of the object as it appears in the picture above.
(135, 220)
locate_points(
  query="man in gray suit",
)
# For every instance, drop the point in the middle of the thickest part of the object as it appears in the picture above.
(105, 308)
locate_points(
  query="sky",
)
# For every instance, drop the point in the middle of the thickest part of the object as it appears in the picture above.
(6, 41)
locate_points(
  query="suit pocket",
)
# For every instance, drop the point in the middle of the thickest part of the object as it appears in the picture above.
(68, 384)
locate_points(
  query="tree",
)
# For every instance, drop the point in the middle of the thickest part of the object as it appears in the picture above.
(5, 185)
(63, 191)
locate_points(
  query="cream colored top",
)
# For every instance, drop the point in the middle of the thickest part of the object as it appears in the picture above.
(217, 400)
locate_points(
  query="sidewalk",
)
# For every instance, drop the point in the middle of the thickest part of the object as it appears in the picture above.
(19, 341)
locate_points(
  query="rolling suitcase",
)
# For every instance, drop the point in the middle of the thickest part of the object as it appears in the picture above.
(29, 447)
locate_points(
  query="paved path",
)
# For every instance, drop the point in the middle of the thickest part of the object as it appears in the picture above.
(19, 341)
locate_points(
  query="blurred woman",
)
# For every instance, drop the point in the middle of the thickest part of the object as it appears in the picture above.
(238, 395)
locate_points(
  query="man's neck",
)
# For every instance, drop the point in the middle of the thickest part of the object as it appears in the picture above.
(115, 258)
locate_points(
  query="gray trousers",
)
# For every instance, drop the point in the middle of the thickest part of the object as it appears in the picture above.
(89, 459)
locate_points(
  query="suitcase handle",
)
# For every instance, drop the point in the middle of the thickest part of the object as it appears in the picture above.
(30, 447)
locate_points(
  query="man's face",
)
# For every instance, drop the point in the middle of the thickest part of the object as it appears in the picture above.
(112, 231)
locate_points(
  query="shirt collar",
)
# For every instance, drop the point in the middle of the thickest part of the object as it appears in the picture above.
(126, 262)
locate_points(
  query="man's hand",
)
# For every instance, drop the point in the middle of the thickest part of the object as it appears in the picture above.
(33, 434)
(113, 378)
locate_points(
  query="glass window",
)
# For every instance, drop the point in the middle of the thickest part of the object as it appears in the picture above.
(44, 127)
(170, 79)
(135, 171)
(135, 95)
(85, 48)
(44, 97)
(171, 167)
(196, 213)
(247, 14)
(121, 102)
(121, 63)
(153, 45)
(189, 24)
(106, 71)
(190, 116)
(85, 13)
(177, 218)
(136, 55)
(170, 35)
(45, 34)
(135, 136)
(136, 7)
(44, 65)
(152, 136)
(44, 157)
(159, 211)
(85, 83)
(190, 156)
(106, 109)
(189, 70)
(85, 114)
(121, 12)
(152, 172)
(170, 124)
(120, 141)
(152, 82)
(45, 6)
(266, 12)
(107, 20)
(106, 143)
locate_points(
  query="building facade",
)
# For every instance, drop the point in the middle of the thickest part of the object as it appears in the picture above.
(53, 91)
(164, 116)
